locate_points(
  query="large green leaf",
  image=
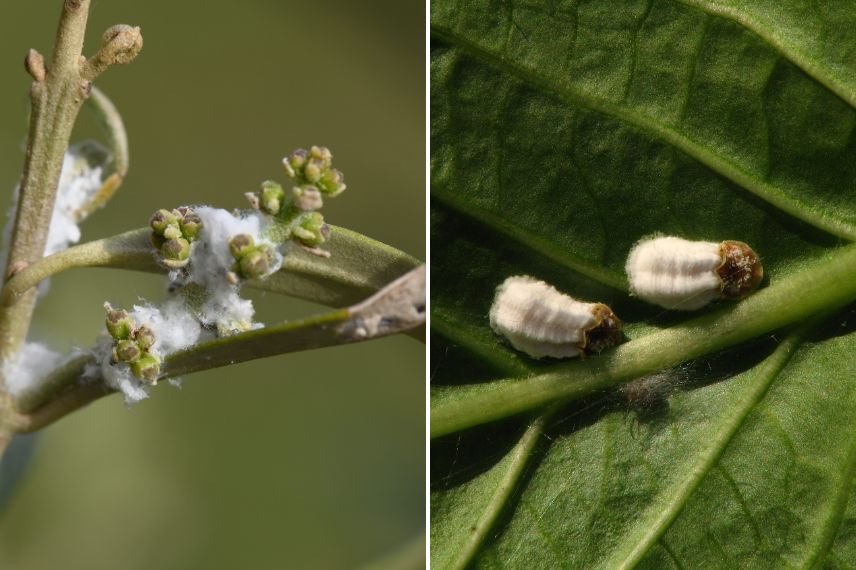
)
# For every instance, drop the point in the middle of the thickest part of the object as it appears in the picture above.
(561, 134)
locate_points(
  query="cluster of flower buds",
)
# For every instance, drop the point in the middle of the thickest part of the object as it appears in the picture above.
(173, 232)
(314, 177)
(311, 229)
(314, 167)
(271, 200)
(132, 345)
(252, 261)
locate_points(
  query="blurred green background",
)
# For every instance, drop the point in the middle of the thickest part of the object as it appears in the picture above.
(311, 460)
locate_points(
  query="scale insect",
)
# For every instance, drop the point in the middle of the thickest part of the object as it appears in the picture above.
(540, 321)
(675, 273)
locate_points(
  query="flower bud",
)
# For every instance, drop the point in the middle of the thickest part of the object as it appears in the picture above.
(294, 162)
(257, 263)
(323, 155)
(307, 198)
(191, 225)
(176, 252)
(312, 171)
(240, 245)
(332, 182)
(271, 197)
(145, 337)
(312, 230)
(122, 43)
(119, 323)
(172, 231)
(147, 368)
(126, 351)
(161, 220)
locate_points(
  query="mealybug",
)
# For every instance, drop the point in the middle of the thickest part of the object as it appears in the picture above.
(679, 274)
(540, 321)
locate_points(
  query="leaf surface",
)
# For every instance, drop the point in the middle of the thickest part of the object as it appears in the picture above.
(562, 133)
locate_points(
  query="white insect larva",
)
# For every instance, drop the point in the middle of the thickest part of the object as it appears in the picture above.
(540, 321)
(679, 274)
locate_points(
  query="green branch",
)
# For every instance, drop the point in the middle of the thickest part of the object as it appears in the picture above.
(58, 90)
(56, 95)
(398, 307)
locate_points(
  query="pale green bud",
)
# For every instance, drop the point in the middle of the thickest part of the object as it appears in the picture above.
(332, 182)
(161, 220)
(323, 155)
(119, 323)
(294, 162)
(172, 231)
(126, 351)
(147, 368)
(191, 225)
(271, 197)
(240, 245)
(145, 337)
(312, 171)
(302, 235)
(312, 230)
(257, 263)
(176, 252)
(307, 198)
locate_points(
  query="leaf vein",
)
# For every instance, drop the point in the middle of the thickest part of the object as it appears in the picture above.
(665, 514)
(768, 192)
(539, 245)
(741, 502)
(812, 67)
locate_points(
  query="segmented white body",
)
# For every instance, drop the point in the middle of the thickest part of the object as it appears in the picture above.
(675, 273)
(539, 320)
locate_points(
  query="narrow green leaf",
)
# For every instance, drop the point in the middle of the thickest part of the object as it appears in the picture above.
(358, 266)
(398, 307)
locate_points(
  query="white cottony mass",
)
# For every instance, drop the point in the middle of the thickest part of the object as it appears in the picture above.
(79, 182)
(680, 274)
(540, 321)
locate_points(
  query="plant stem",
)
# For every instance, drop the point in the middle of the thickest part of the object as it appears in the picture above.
(111, 121)
(56, 96)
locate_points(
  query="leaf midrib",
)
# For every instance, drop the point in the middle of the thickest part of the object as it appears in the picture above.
(814, 68)
(766, 374)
